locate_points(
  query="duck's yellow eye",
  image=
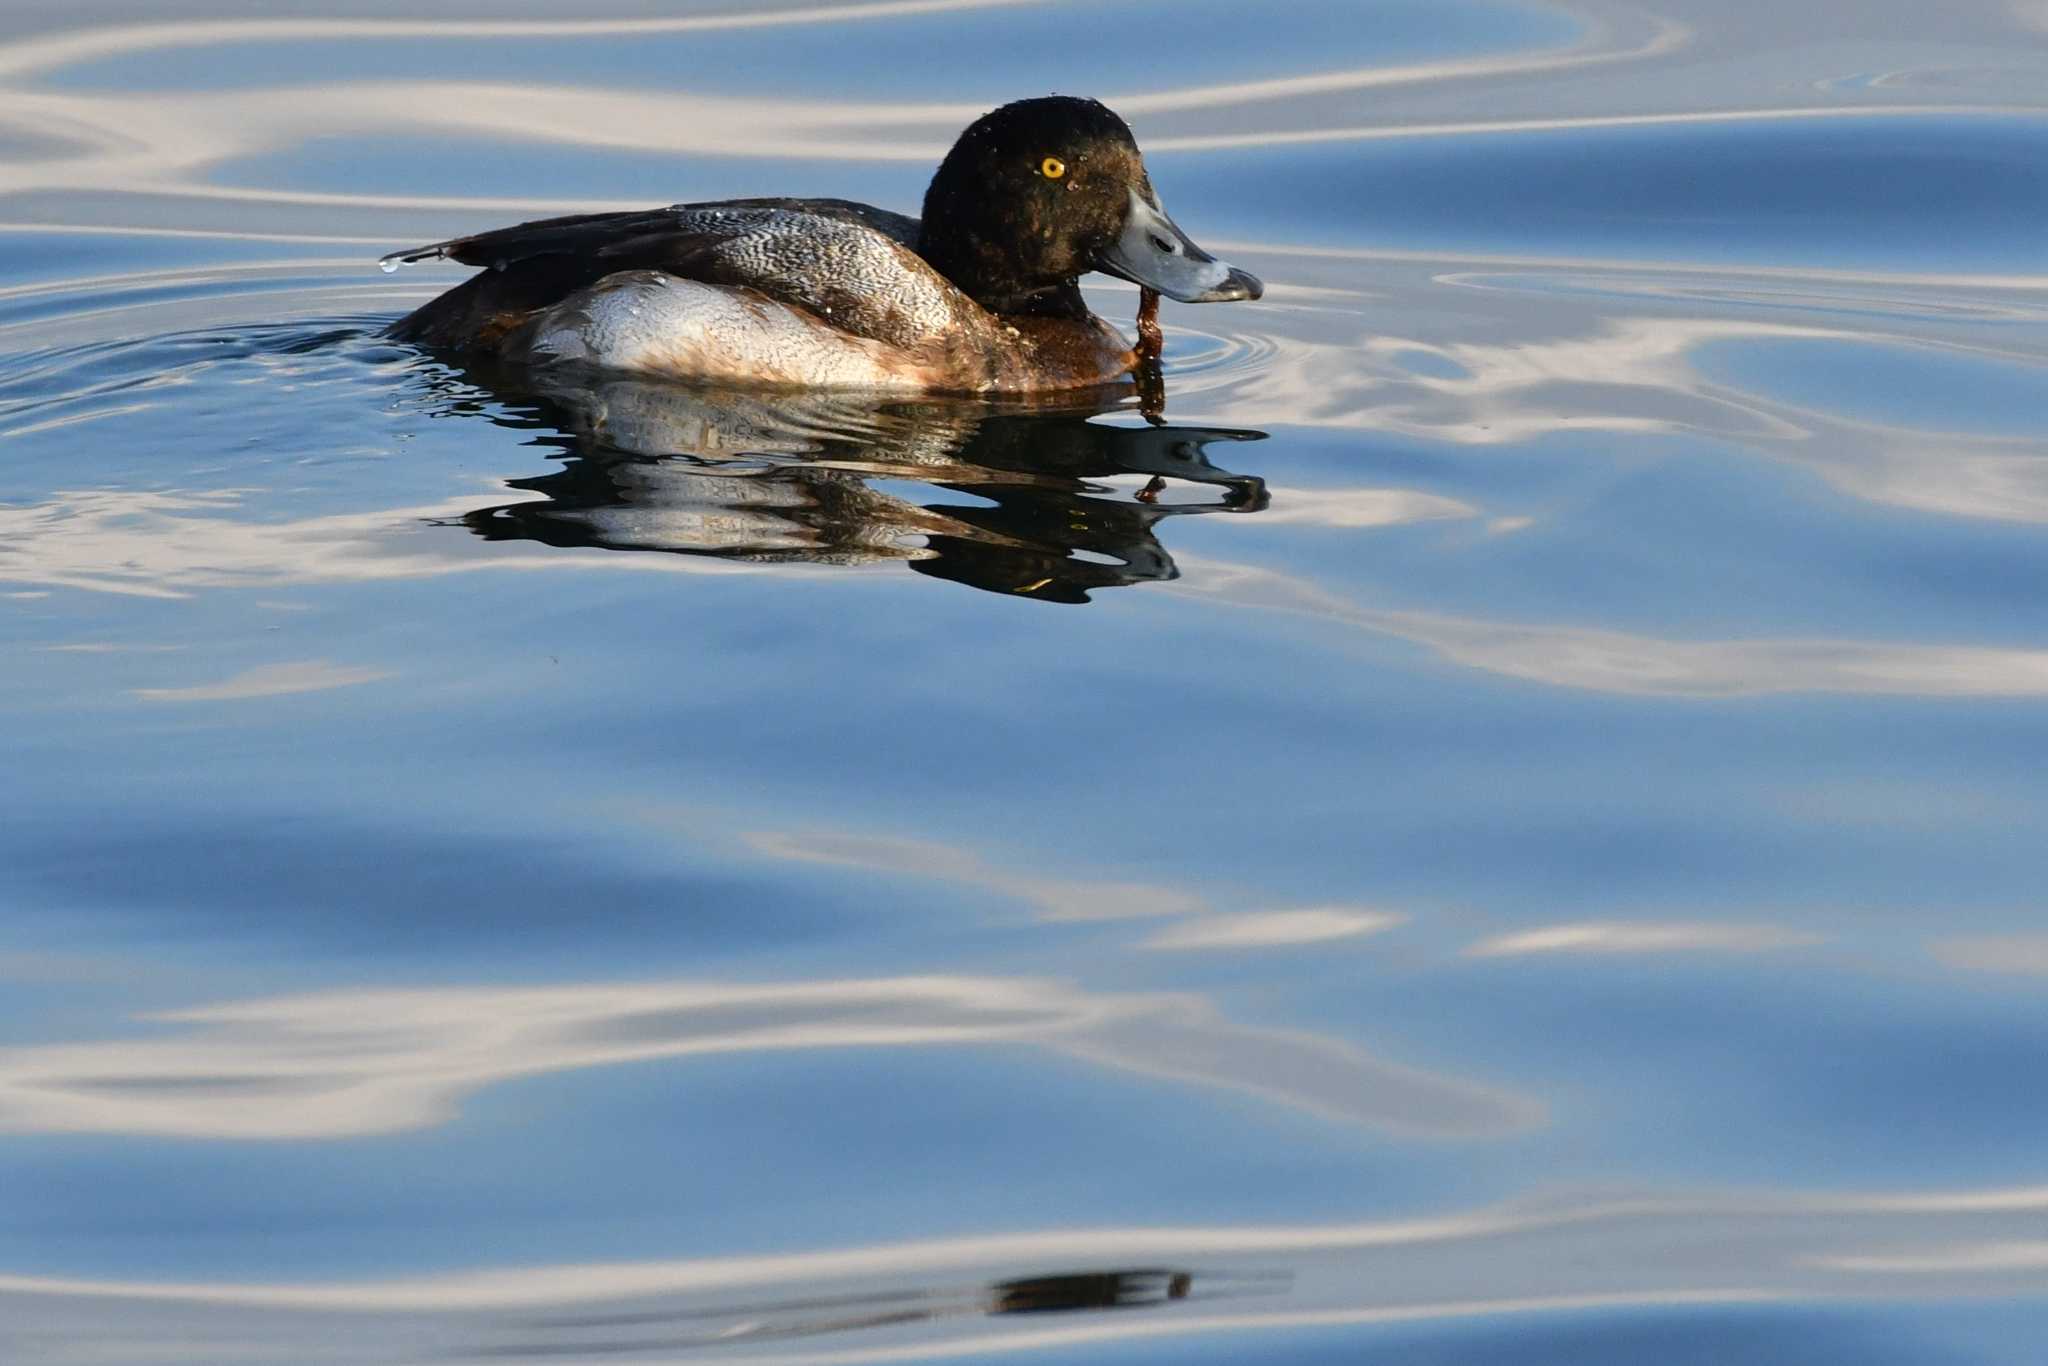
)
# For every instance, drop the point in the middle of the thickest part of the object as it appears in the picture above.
(1052, 168)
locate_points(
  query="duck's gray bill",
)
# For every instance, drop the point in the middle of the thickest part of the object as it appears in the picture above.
(1154, 252)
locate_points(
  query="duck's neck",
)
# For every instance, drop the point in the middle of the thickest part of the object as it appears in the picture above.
(1002, 291)
(1060, 300)
(989, 275)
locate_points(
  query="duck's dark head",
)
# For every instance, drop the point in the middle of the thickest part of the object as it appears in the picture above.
(1038, 193)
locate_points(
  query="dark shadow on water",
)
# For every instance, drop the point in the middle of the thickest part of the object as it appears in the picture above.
(628, 1332)
(817, 479)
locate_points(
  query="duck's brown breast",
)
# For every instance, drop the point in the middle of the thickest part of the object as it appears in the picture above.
(1042, 353)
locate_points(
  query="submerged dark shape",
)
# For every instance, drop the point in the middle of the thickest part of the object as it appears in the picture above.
(1089, 1290)
(820, 1315)
(791, 478)
(981, 295)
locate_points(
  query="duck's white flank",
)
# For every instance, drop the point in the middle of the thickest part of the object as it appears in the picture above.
(648, 322)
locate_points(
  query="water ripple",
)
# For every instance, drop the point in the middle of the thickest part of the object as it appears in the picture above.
(1533, 839)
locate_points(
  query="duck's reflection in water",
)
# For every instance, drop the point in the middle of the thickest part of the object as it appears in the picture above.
(1060, 504)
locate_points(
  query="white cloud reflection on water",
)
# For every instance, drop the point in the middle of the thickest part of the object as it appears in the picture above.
(1073, 899)
(1641, 375)
(1273, 929)
(52, 52)
(1353, 508)
(1599, 660)
(165, 145)
(2021, 954)
(1959, 1260)
(1626, 937)
(269, 680)
(349, 1063)
(172, 545)
(1055, 898)
(166, 142)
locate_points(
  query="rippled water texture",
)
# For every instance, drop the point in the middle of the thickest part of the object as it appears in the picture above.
(1508, 829)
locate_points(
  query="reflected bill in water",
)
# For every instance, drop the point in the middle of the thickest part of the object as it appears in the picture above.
(798, 478)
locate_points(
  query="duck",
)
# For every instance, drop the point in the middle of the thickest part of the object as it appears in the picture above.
(979, 295)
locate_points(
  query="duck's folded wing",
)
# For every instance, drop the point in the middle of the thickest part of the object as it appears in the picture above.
(578, 234)
(849, 263)
(850, 274)
(586, 234)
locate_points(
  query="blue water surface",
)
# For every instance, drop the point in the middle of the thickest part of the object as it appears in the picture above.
(1521, 845)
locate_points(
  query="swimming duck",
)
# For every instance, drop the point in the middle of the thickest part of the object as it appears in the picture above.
(980, 296)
